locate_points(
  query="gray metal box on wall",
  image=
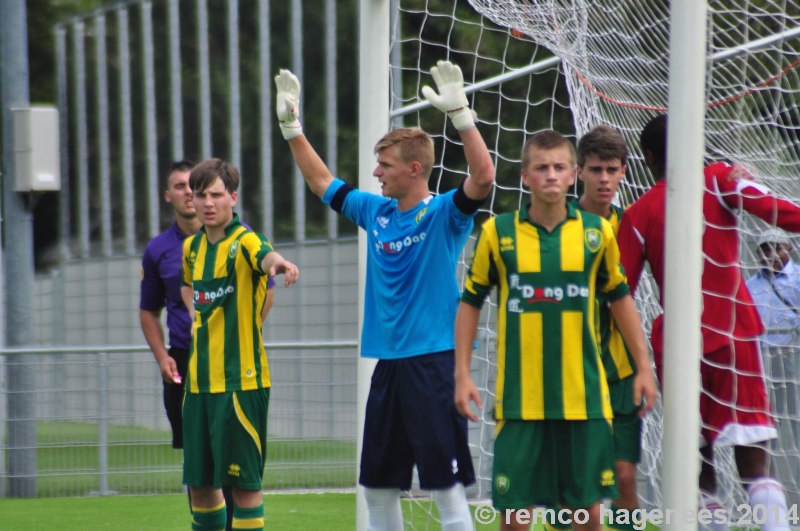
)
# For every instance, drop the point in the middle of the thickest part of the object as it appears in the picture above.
(36, 149)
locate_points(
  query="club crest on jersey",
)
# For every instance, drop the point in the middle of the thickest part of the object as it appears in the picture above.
(233, 249)
(593, 239)
(502, 483)
(192, 258)
(383, 221)
(421, 214)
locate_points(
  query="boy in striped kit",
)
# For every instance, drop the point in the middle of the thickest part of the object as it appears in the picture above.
(549, 261)
(225, 270)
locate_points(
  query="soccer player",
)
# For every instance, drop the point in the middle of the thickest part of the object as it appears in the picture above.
(411, 295)
(602, 163)
(549, 261)
(224, 275)
(733, 404)
(161, 288)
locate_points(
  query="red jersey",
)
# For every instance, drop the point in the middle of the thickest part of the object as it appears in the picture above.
(728, 309)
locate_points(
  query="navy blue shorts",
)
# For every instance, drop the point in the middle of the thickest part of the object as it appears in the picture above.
(411, 418)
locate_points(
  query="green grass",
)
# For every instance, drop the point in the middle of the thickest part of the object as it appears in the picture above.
(298, 512)
(142, 461)
(330, 511)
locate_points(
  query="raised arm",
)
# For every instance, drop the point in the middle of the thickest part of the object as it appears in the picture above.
(315, 172)
(452, 100)
(738, 189)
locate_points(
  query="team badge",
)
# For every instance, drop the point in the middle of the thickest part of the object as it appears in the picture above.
(501, 484)
(421, 214)
(593, 239)
(233, 249)
(192, 258)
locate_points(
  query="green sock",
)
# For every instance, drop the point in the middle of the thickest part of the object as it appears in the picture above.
(209, 519)
(248, 518)
(623, 520)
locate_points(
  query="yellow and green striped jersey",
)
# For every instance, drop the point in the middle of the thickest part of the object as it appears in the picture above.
(227, 352)
(548, 359)
(617, 359)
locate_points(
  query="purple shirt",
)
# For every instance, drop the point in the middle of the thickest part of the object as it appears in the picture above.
(161, 284)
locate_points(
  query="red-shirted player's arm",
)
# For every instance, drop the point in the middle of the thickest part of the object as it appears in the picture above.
(631, 251)
(753, 197)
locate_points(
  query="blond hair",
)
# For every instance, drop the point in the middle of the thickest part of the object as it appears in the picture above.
(412, 145)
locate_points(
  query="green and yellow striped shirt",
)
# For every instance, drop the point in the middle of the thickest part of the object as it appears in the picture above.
(617, 359)
(548, 360)
(227, 352)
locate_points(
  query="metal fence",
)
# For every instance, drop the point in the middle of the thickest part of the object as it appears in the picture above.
(101, 428)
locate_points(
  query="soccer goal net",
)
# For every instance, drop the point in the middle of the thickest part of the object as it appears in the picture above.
(570, 65)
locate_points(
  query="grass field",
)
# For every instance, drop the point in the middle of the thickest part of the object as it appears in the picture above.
(141, 461)
(298, 512)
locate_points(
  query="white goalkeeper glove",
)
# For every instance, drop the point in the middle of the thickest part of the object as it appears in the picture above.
(287, 104)
(451, 98)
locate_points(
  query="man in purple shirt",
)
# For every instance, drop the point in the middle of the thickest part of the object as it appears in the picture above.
(161, 287)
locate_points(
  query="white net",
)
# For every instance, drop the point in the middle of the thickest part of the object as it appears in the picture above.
(610, 66)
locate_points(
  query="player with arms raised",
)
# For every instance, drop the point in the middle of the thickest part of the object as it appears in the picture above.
(411, 294)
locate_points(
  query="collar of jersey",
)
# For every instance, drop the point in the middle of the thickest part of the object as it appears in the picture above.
(571, 212)
(230, 228)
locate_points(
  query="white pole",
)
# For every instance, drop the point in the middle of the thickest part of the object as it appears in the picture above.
(373, 122)
(684, 263)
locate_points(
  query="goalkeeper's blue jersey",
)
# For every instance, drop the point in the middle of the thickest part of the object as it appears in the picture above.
(411, 292)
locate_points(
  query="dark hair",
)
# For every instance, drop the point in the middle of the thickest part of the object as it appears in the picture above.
(181, 165)
(654, 140)
(603, 142)
(204, 174)
(178, 165)
(547, 139)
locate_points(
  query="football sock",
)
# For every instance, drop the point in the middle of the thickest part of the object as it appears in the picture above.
(453, 508)
(768, 502)
(385, 513)
(248, 518)
(208, 519)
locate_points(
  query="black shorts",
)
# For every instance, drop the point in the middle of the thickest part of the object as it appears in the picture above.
(411, 419)
(173, 396)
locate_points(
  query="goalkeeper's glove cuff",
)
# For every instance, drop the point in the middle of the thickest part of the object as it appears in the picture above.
(291, 129)
(462, 118)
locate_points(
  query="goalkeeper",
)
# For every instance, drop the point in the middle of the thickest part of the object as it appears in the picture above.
(733, 404)
(411, 295)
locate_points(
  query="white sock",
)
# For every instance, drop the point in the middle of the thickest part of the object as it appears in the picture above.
(385, 513)
(767, 497)
(718, 514)
(453, 508)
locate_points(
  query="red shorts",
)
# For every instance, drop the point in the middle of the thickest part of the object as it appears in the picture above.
(734, 407)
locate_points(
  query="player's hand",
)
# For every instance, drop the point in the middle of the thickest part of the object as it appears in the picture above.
(287, 104)
(645, 391)
(451, 98)
(741, 172)
(169, 370)
(290, 272)
(466, 391)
